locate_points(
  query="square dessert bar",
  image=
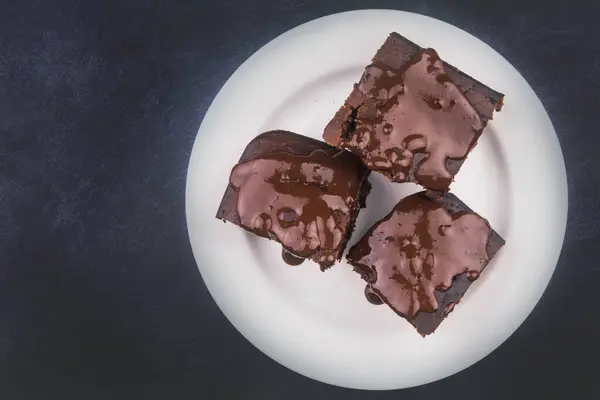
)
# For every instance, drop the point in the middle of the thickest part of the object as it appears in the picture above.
(413, 117)
(423, 256)
(298, 191)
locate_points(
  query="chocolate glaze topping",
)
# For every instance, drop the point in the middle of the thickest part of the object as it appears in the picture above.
(305, 202)
(417, 249)
(414, 110)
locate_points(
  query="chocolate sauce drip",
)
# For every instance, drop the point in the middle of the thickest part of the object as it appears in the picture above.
(291, 259)
(372, 297)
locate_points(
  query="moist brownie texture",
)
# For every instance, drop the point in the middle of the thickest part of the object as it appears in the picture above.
(298, 191)
(423, 256)
(412, 116)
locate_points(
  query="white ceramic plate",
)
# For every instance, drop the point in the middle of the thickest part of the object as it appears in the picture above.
(320, 324)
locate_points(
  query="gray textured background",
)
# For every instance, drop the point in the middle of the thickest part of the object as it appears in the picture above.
(100, 296)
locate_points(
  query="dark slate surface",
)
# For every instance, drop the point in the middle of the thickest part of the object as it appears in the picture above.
(100, 296)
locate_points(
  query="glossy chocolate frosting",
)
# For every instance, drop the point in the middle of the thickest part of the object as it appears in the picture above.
(412, 120)
(418, 249)
(304, 202)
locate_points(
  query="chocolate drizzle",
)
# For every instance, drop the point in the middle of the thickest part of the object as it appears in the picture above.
(304, 202)
(419, 249)
(415, 109)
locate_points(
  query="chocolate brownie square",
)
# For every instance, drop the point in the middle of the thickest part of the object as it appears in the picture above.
(298, 191)
(423, 256)
(413, 117)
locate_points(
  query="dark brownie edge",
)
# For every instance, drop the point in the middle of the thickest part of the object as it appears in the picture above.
(292, 143)
(365, 189)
